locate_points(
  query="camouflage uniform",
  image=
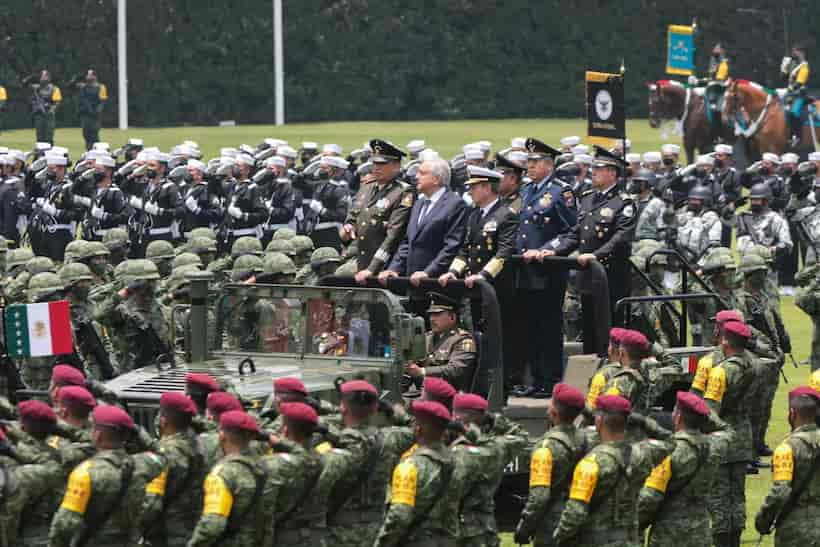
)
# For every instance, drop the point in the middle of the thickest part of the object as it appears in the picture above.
(34, 523)
(36, 371)
(599, 381)
(551, 465)
(808, 299)
(793, 463)
(602, 497)
(25, 486)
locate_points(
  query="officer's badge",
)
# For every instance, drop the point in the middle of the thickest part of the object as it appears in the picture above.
(407, 200)
(468, 345)
(377, 148)
(382, 203)
(606, 212)
(491, 226)
(546, 201)
(628, 212)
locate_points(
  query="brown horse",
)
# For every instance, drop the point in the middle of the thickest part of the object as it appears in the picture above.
(669, 100)
(764, 123)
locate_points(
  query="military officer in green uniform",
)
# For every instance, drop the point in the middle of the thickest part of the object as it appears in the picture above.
(44, 101)
(377, 219)
(451, 350)
(551, 464)
(93, 96)
(513, 166)
(606, 371)
(793, 502)
(629, 382)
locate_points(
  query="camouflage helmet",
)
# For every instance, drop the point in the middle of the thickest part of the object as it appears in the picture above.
(752, 263)
(281, 246)
(75, 250)
(159, 249)
(119, 269)
(284, 233)
(179, 277)
(246, 245)
(763, 252)
(719, 259)
(96, 248)
(73, 272)
(115, 238)
(639, 258)
(203, 232)
(302, 244)
(186, 259)
(278, 263)
(18, 257)
(642, 244)
(348, 269)
(200, 244)
(323, 255)
(246, 264)
(42, 284)
(40, 264)
(139, 269)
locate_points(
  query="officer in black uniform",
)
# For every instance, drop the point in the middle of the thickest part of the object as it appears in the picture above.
(539, 317)
(329, 203)
(108, 206)
(246, 212)
(489, 243)
(160, 204)
(202, 208)
(57, 215)
(606, 225)
(279, 198)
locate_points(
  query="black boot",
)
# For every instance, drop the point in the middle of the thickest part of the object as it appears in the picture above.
(795, 126)
(722, 540)
(735, 536)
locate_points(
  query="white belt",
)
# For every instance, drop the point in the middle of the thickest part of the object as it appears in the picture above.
(103, 231)
(244, 231)
(323, 225)
(54, 227)
(275, 226)
(159, 231)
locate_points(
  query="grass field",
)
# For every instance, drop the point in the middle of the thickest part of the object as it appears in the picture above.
(447, 138)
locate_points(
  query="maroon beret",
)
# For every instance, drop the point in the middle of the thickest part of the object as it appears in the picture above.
(174, 400)
(222, 401)
(36, 410)
(804, 390)
(692, 403)
(201, 381)
(635, 339)
(76, 395)
(299, 412)
(615, 334)
(724, 316)
(738, 329)
(238, 419)
(568, 396)
(289, 384)
(66, 375)
(438, 388)
(613, 403)
(431, 410)
(359, 386)
(470, 401)
(112, 416)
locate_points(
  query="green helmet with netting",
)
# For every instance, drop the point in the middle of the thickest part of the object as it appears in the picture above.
(119, 270)
(718, 260)
(97, 248)
(642, 244)
(73, 272)
(348, 269)
(186, 259)
(281, 246)
(18, 257)
(159, 249)
(245, 266)
(139, 269)
(323, 255)
(43, 284)
(302, 245)
(201, 245)
(763, 252)
(115, 239)
(278, 263)
(179, 277)
(203, 232)
(75, 250)
(40, 264)
(246, 245)
(752, 263)
(284, 233)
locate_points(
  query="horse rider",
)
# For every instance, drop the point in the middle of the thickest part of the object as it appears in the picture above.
(715, 86)
(796, 69)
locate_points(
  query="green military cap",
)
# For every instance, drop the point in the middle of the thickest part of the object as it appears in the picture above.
(18, 257)
(278, 263)
(203, 232)
(284, 233)
(115, 239)
(138, 269)
(246, 245)
(752, 263)
(73, 272)
(441, 303)
(385, 151)
(323, 255)
(159, 249)
(42, 284)
(40, 264)
(74, 250)
(186, 259)
(302, 244)
(281, 246)
(244, 265)
(201, 244)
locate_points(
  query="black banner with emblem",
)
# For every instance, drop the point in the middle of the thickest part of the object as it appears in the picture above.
(606, 113)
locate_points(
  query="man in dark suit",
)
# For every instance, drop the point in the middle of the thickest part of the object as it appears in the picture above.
(546, 213)
(435, 230)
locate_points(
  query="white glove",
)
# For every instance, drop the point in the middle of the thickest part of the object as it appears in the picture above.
(82, 200)
(135, 202)
(235, 212)
(268, 204)
(191, 204)
(686, 171)
(784, 64)
(467, 199)
(39, 202)
(98, 212)
(151, 208)
(49, 208)
(316, 206)
(693, 80)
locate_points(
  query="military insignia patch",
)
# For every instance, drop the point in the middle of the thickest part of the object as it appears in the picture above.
(381, 204)
(606, 212)
(491, 226)
(468, 345)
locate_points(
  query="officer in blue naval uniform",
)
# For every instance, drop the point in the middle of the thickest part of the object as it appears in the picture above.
(547, 212)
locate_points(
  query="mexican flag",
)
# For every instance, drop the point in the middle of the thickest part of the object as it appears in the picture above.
(35, 330)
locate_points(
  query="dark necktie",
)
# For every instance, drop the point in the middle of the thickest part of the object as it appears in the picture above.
(424, 205)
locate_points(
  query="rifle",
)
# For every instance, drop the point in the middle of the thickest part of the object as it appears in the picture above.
(90, 343)
(9, 370)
